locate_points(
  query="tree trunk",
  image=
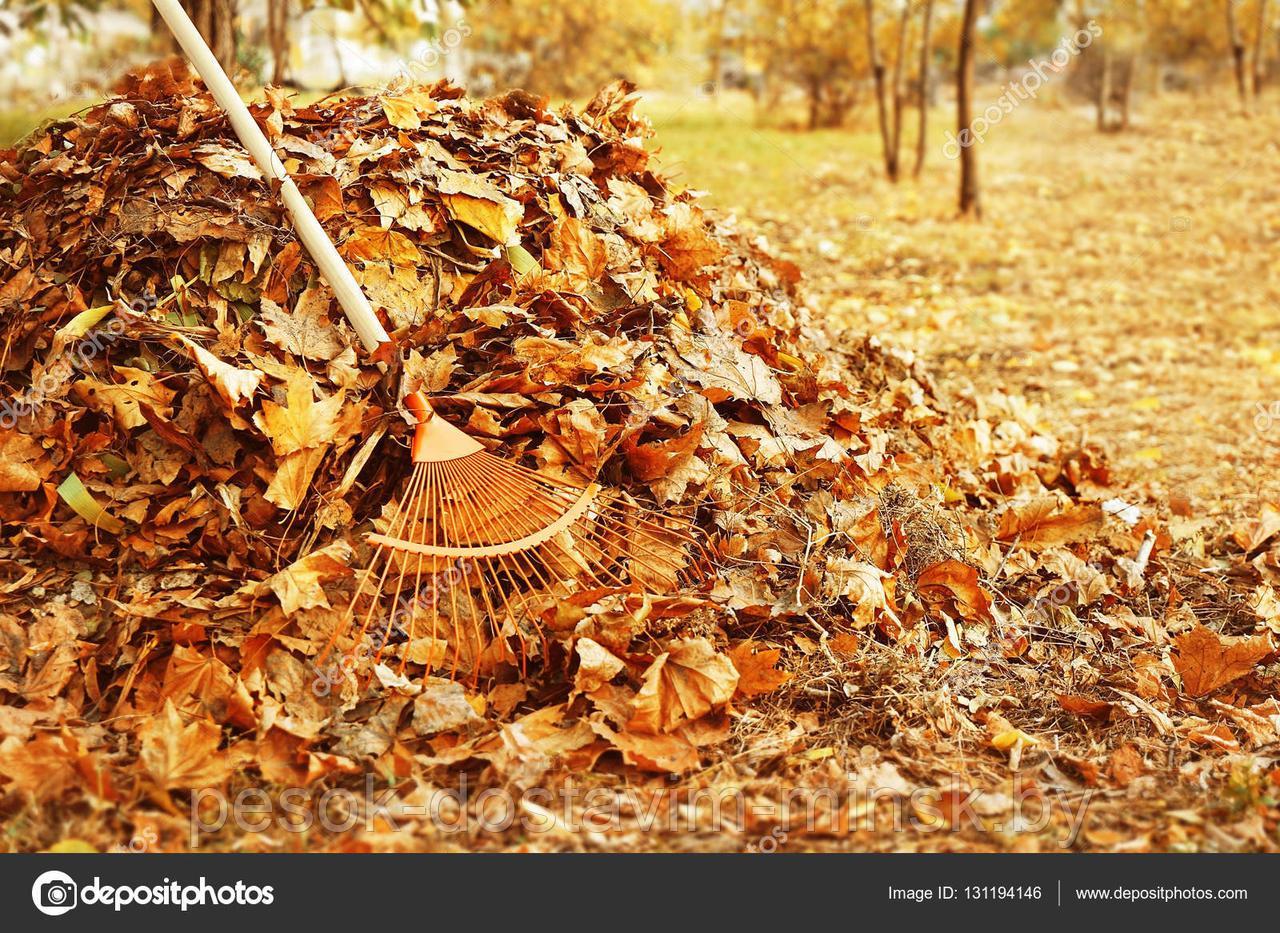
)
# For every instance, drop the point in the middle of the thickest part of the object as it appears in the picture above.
(897, 87)
(1103, 101)
(1126, 90)
(717, 45)
(278, 38)
(877, 71)
(1260, 50)
(970, 194)
(1237, 54)
(216, 20)
(926, 53)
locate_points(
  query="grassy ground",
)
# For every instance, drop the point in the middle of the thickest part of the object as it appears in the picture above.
(20, 121)
(1125, 282)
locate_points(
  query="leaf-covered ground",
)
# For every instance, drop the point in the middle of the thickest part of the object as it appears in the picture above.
(998, 576)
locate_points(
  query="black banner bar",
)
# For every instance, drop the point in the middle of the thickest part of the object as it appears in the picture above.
(149, 891)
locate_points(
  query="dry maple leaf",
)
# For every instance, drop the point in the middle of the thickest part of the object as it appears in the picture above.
(862, 584)
(43, 767)
(298, 586)
(182, 756)
(23, 465)
(1206, 660)
(215, 690)
(757, 670)
(478, 203)
(1045, 522)
(303, 422)
(685, 682)
(955, 582)
(1253, 535)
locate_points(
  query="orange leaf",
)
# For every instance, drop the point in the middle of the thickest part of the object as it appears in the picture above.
(757, 671)
(1044, 523)
(1126, 765)
(182, 756)
(1207, 660)
(1083, 706)
(957, 581)
(685, 682)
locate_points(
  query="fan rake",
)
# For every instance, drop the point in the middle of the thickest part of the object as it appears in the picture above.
(480, 542)
(469, 523)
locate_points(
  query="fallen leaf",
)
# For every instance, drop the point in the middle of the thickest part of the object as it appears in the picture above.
(757, 670)
(182, 756)
(685, 682)
(1206, 660)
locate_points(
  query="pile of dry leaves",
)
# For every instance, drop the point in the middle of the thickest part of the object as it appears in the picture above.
(193, 442)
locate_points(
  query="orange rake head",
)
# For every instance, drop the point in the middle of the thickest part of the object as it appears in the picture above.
(482, 546)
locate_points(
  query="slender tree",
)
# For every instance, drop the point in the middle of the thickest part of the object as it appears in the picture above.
(882, 107)
(898, 62)
(1237, 53)
(1102, 103)
(278, 38)
(970, 194)
(1260, 50)
(926, 55)
(216, 20)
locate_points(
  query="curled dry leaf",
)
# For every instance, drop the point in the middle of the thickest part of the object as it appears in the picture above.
(233, 384)
(685, 682)
(954, 584)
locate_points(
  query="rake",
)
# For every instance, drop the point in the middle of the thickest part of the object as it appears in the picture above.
(477, 545)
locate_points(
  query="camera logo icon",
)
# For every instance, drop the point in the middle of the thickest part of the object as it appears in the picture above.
(54, 893)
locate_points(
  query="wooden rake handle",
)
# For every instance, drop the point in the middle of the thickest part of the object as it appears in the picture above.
(335, 272)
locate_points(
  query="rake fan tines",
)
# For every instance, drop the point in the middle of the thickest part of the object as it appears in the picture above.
(481, 544)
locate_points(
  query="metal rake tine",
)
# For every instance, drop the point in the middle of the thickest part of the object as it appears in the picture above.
(519, 571)
(349, 616)
(416, 511)
(483, 518)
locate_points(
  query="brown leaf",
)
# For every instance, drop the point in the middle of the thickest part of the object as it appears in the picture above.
(373, 244)
(955, 582)
(1253, 535)
(1126, 765)
(441, 707)
(597, 665)
(1045, 522)
(233, 384)
(687, 681)
(757, 670)
(215, 690)
(23, 465)
(1206, 660)
(298, 586)
(182, 756)
(1084, 706)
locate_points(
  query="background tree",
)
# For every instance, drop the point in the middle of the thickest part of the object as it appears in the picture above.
(813, 46)
(923, 95)
(567, 49)
(1260, 48)
(1237, 53)
(970, 194)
